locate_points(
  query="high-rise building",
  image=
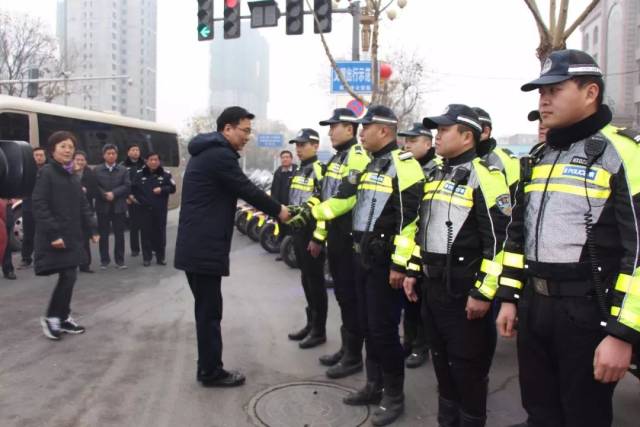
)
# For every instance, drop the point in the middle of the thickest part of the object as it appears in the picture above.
(103, 38)
(611, 34)
(239, 71)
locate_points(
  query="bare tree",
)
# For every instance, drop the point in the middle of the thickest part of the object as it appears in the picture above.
(24, 45)
(554, 35)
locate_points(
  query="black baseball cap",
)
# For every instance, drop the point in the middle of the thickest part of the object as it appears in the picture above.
(418, 129)
(379, 114)
(306, 135)
(232, 115)
(455, 114)
(483, 116)
(341, 115)
(533, 115)
(562, 65)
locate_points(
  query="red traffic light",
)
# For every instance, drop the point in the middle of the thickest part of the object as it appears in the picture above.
(230, 3)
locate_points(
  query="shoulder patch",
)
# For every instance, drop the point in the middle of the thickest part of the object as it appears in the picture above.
(358, 149)
(630, 133)
(405, 155)
(503, 203)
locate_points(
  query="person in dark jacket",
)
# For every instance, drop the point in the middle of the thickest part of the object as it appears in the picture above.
(90, 190)
(7, 263)
(282, 178)
(62, 215)
(212, 184)
(114, 187)
(28, 226)
(134, 163)
(151, 190)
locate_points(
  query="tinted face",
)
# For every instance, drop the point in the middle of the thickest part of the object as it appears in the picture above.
(63, 151)
(239, 135)
(340, 133)
(110, 156)
(153, 162)
(374, 136)
(449, 142)
(39, 157)
(418, 145)
(286, 160)
(79, 162)
(134, 153)
(306, 150)
(565, 103)
(542, 132)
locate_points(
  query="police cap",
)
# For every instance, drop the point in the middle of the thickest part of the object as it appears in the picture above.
(562, 65)
(418, 129)
(379, 114)
(341, 115)
(483, 116)
(306, 135)
(455, 114)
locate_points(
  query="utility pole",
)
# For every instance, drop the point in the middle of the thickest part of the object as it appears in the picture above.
(354, 8)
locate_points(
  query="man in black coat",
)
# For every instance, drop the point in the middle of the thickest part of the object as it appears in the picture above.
(114, 187)
(28, 223)
(134, 163)
(282, 178)
(212, 184)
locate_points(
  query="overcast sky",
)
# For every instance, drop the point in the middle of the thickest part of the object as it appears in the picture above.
(479, 52)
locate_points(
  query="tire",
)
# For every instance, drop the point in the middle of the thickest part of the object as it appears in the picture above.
(253, 228)
(242, 222)
(268, 240)
(287, 253)
(15, 239)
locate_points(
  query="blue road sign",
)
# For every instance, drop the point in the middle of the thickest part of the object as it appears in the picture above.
(356, 73)
(270, 140)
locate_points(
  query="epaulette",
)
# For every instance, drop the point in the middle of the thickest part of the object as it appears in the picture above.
(535, 151)
(405, 155)
(508, 152)
(486, 165)
(358, 149)
(630, 133)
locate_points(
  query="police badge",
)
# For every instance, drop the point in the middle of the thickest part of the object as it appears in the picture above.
(353, 177)
(503, 202)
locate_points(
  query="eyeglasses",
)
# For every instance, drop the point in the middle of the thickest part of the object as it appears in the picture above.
(247, 131)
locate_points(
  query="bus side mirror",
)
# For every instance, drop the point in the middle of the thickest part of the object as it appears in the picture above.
(17, 169)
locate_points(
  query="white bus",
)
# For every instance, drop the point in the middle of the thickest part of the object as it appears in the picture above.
(33, 121)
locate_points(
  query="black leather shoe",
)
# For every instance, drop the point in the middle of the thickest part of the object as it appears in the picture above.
(161, 262)
(146, 263)
(417, 359)
(343, 369)
(331, 359)
(312, 340)
(86, 270)
(390, 409)
(10, 275)
(223, 379)
(370, 394)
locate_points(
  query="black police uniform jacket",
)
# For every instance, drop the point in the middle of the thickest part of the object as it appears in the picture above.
(133, 167)
(212, 184)
(144, 183)
(281, 183)
(61, 211)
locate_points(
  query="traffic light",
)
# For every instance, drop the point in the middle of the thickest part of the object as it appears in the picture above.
(264, 13)
(32, 87)
(205, 20)
(295, 16)
(322, 9)
(231, 19)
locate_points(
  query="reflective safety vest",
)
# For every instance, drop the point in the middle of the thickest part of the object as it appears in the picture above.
(571, 198)
(464, 214)
(387, 202)
(306, 182)
(508, 163)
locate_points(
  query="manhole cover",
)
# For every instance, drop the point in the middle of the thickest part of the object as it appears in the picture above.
(306, 404)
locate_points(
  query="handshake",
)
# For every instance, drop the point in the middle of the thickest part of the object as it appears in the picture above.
(296, 216)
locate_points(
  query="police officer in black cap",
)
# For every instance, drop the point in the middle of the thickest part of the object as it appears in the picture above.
(419, 141)
(385, 199)
(305, 184)
(151, 189)
(534, 116)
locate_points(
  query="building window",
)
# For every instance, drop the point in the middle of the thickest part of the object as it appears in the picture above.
(585, 42)
(595, 35)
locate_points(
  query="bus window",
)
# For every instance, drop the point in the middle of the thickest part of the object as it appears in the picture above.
(14, 126)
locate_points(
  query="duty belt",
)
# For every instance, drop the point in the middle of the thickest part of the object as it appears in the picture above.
(552, 288)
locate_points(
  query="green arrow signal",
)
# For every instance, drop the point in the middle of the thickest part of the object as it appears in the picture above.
(204, 31)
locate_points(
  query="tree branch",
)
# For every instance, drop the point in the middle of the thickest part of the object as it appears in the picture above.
(552, 16)
(581, 18)
(542, 27)
(558, 35)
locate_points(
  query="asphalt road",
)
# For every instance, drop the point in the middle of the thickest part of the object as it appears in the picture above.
(135, 365)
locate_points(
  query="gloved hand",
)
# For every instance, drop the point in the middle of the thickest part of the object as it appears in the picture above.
(295, 209)
(300, 220)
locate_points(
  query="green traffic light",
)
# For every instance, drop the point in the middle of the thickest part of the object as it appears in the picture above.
(204, 31)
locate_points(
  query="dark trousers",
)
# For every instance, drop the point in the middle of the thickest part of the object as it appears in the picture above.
(557, 338)
(106, 221)
(208, 312)
(341, 260)
(312, 277)
(414, 339)
(461, 349)
(7, 263)
(87, 249)
(135, 226)
(28, 233)
(60, 304)
(154, 233)
(379, 310)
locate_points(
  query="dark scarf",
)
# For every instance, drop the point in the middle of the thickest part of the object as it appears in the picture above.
(562, 138)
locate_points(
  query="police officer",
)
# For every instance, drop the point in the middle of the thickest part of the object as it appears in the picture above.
(575, 227)
(349, 160)
(499, 157)
(305, 182)
(134, 163)
(534, 116)
(419, 141)
(463, 219)
(151, 189)
(385, 199)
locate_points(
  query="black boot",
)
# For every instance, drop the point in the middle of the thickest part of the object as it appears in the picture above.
(392, 404)
(317, 334)
(371, 393)
(351, 361)
(448, 413)
(299, 335)
(332, 359)
(417, 358)
(467, 420)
